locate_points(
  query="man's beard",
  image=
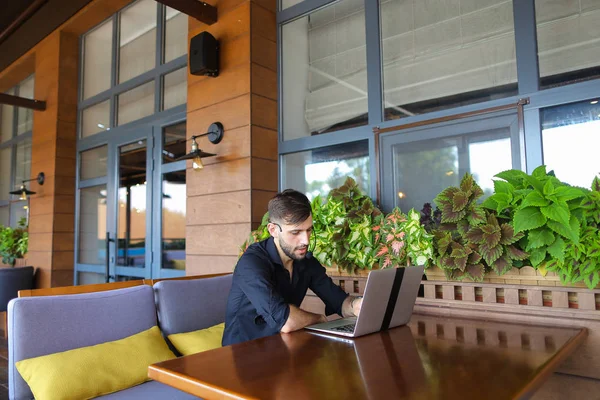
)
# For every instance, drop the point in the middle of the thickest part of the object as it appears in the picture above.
(288, 250)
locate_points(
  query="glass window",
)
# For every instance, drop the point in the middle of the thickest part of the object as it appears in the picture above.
(93, 163)
(92, 225)
(5, 173)
(288, 3)
(443, 54)
(570, 133)
(18, 210)
(22, 162)
(568, 35)
(318, 171)
(131, 211)
(90, 278)
(137, 43)
(173, 142)
(423, 169)
(324, 71)
(173, 220)
(95, 119)
(25, 115)
(136, 103)
(176, 34)
(4, 214)
(97, 59)
(7, 116)
(175, 88)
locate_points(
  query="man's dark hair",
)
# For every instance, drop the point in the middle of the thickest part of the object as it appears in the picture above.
(289, 206)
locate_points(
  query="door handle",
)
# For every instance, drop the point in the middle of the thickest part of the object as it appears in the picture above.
(107, 276)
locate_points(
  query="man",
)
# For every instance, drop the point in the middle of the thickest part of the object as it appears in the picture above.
(272, 277)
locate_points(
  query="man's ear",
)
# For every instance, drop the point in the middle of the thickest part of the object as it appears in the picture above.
(273, 229)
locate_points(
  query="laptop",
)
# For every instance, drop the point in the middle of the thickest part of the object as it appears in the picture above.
(388, 301)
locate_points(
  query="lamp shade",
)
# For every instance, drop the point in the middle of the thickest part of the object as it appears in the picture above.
(196, 153)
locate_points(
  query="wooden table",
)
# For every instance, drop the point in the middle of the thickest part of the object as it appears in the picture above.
(431, 358)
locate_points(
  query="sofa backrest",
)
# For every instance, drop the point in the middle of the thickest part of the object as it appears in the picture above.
(189, 305)
(11, 281)
(44, 325)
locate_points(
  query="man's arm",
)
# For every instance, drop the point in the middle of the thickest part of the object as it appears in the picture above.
(298, 319)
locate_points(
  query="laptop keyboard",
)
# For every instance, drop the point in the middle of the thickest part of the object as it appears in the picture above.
(344, 328)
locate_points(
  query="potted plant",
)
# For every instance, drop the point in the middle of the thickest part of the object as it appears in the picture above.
(13, 242)
(343, 225)
(471, 240)
(403, 240)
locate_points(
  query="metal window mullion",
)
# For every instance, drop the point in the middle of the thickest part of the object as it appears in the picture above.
(526, 46)
(15, 126)
(374, 71)
(534, 156)
(300, 9)
(159, 55)
(114, 70)
(330, 139)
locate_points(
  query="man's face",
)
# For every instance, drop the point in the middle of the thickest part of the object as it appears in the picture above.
(293, 240)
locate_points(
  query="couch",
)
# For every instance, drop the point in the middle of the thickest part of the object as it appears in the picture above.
(51, 324)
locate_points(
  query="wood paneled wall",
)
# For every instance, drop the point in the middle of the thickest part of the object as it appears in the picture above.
(51, 224)
(229, 196)
(225, 200)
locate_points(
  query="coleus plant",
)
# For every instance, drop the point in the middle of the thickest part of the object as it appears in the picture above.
(546, 210)
(495, 243)
(460, 212)
(581, 261)
(402, 240)
(430, 218)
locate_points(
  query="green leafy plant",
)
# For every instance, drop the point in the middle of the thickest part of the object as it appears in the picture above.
(581, 261)
(259, 234)
(351, 238)
(547, 211)
(460, 212)
(495, 243)
(13, 242)
(402, 240)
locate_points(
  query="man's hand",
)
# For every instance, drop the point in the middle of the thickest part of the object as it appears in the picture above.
(356, 305)
(351, 306)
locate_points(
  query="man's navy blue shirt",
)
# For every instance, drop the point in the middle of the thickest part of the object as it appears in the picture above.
(261, 291)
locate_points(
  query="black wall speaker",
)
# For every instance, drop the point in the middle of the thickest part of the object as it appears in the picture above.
(204, 55)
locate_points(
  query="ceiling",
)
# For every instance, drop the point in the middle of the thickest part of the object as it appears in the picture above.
(47, 16)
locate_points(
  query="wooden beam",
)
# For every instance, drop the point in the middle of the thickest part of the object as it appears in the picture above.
(200, 10)
(22, 102)
(21, 18)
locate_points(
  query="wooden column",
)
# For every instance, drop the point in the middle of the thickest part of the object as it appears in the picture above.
(229, 196)
(51, 224)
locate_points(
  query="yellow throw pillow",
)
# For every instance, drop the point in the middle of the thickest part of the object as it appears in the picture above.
(197, 341)
(93, 371)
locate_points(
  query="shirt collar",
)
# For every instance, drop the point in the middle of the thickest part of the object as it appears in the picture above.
(272, 251)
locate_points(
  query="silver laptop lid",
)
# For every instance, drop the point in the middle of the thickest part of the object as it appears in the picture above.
(389, 299)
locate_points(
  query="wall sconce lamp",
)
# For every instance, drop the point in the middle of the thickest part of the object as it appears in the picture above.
(215, 134)
(23, 191)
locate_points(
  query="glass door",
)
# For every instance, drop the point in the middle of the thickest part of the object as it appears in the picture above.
(417, 164)
(130, 207)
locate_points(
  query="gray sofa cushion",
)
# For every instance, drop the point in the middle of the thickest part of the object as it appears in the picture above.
(149, 391)
(189, 305)
(50, 324)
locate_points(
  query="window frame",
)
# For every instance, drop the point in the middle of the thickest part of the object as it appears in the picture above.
(528, 83)
(12, 143)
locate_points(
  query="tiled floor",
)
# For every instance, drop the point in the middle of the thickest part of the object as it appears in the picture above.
(3, 368)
